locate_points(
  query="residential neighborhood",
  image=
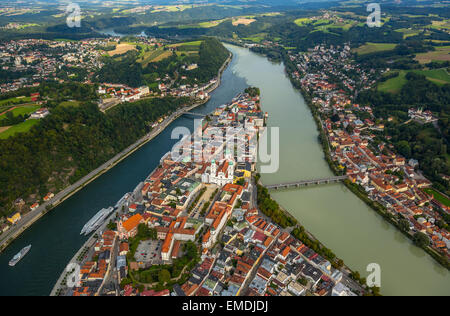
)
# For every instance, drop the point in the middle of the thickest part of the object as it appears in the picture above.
(31, 61)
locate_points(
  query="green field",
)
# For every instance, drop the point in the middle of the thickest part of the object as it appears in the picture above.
(438, 76)
(440, 25)
(257, 38)
(21, 27)
(194, 43)
(209, 24)
(302, 21)
(324, 25)
(154, 55)
(172, 8)
(19, 128)
(394, 85)
(17, 100)
(438, 197)
(344, 26)
(22, 110)
(69, 103)
(408, 32)
(374, 48)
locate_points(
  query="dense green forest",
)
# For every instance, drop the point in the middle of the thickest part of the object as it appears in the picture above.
(124, 70)
(69, 143)
(212, 55)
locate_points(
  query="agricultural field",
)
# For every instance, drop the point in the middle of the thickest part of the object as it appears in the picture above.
(343, 25)
(153, 56)
(191, 44)
(4, 128)
(187, 48)
(408, 32)
(374, 48)
(19, 128)
(325, 25)
(205, 24)
(243, 21)
(161, 55)
(257, 38)
(440, 54)
(122, 49)
(171, 8)
(441, 25)
(303, 21)
(209, 24)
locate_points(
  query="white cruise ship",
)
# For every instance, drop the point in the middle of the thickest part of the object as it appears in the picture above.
(95, 222)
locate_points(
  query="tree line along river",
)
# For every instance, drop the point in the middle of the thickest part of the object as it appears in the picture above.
(332, 213)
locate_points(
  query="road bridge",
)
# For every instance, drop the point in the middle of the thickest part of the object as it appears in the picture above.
(302, 183)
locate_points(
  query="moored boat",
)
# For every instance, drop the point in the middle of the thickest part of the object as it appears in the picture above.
(95, 222)
(19, 256)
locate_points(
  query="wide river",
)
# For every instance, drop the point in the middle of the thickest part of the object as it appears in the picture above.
(333, 214)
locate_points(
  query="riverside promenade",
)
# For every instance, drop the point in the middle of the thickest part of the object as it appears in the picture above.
(31, 217)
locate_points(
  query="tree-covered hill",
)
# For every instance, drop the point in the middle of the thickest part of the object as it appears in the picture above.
(71, 142)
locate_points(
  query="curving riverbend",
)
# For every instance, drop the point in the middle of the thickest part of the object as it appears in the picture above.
(332, 213)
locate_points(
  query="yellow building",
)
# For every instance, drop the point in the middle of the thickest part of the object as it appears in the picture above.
(241, 173)
(14, 218)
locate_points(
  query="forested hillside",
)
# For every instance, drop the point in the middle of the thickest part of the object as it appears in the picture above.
(125, 71)
(212, 55)
(70, 143)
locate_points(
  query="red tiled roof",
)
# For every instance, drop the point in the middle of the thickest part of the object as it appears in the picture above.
(132, 222)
